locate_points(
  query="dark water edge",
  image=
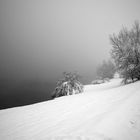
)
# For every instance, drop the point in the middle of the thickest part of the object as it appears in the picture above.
(26, 92)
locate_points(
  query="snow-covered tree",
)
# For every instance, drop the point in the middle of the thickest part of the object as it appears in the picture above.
(126, 52)
(69, 85)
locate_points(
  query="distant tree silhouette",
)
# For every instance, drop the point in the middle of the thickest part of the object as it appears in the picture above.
(69, 85)
(105, 70)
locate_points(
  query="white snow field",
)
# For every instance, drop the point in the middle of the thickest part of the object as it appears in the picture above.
(108, 111)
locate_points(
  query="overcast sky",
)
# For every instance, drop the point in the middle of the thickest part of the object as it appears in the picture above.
(47, 37)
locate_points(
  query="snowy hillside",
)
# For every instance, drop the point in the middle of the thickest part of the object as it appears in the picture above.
(107, 111)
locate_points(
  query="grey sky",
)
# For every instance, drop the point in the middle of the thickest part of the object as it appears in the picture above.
(47, 37)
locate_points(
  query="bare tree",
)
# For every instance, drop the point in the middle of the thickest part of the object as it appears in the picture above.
(126, 52)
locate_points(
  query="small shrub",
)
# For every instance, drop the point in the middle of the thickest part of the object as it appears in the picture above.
(69, 85)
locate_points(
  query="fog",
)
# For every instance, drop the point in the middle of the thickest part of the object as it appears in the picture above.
(40, 39)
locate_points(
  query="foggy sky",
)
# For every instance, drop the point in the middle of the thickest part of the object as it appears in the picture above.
(43, 38)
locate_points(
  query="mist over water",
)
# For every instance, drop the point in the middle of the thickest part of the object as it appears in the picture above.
(40, 39)
(24, 92)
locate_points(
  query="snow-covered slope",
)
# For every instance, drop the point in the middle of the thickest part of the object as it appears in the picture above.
(107, 111)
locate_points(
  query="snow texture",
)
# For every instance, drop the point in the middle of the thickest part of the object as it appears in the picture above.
(108, 111)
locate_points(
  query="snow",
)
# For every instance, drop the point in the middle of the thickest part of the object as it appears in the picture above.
(108, 111)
